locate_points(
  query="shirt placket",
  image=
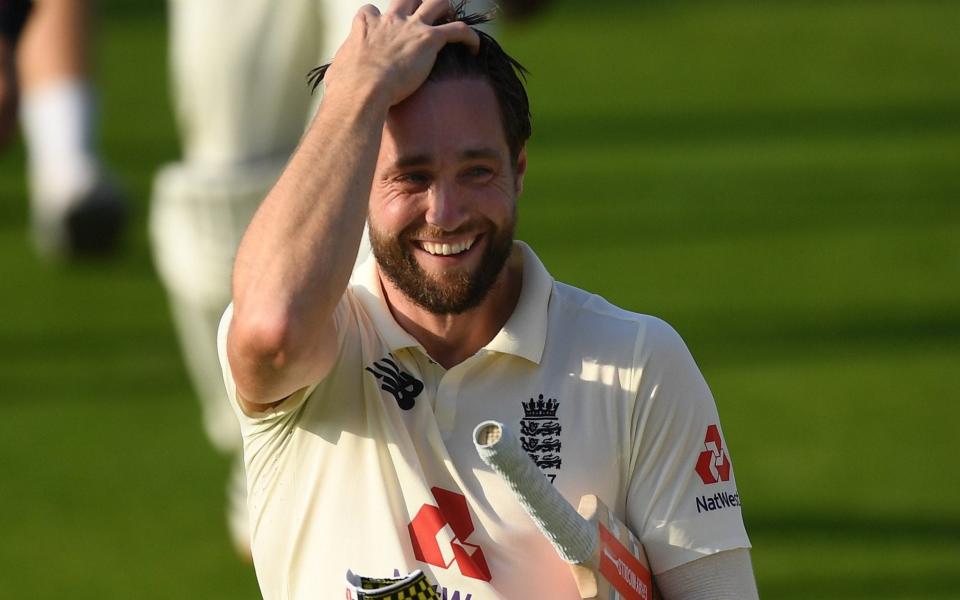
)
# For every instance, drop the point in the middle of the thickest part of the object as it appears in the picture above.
(448, 395)
(446, 405)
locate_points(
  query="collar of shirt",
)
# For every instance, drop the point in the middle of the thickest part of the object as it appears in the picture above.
(524, 334)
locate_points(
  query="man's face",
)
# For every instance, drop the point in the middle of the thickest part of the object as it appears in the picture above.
(443, 202)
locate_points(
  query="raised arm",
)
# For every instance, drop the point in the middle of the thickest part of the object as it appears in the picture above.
(294, 261)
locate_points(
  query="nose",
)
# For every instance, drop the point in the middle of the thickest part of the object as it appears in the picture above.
(445, 207)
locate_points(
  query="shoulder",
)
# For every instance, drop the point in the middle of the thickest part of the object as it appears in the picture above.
(590, 333)
(592, 316)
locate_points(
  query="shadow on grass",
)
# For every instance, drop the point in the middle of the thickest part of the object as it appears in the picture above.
(744, 124)
(865, 538)
(857, 528)
(792, 333)
(874, 586)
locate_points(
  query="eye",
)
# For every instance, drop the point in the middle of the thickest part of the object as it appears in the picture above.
(478, 172)
(413, 180)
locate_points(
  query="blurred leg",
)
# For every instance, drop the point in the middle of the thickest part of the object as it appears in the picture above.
(238, 69)
(75, 209)
(240, 96)
(55, 44)
(8, 92)
(13, 16)
(241, 100)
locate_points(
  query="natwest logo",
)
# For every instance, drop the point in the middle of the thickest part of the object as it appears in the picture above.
(439, 535)
(713, 465)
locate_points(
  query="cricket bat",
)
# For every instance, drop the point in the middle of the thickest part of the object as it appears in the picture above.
(607, 561)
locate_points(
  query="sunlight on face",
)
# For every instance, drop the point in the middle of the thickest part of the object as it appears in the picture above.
(443, 203)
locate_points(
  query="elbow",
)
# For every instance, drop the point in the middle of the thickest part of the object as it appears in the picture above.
(260, 349)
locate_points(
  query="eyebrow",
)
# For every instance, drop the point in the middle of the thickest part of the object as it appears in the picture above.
(414, 160)
(472, 153)
(417, 160)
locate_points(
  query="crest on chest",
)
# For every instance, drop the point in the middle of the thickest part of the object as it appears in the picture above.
(540, 434)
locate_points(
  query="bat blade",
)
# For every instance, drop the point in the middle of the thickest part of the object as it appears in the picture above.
(607, 561)
(619, 569)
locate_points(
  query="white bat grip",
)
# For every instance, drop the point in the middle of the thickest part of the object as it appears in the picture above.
(574, 538)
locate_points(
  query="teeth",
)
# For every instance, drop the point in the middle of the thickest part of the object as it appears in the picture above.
(446, 249)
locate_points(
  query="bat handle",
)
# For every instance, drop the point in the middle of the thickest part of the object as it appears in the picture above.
(574, 538)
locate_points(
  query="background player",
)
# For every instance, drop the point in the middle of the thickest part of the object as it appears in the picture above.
(13, 16)
(76, 210)
(241, 104)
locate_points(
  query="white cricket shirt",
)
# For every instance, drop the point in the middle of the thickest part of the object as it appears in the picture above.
(374, 469)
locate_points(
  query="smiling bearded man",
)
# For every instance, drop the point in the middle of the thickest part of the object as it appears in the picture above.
(357, 392)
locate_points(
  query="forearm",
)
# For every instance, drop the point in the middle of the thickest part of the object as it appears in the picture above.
(294, 261)
(726, 575)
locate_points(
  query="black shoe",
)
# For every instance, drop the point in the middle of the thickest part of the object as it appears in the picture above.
(93, 226)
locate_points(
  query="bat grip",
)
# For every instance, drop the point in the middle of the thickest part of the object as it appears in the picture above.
(574, 538)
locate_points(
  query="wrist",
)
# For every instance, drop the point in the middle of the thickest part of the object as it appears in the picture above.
(360, 97)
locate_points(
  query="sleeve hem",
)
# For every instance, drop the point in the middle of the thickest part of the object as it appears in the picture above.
(677, 557)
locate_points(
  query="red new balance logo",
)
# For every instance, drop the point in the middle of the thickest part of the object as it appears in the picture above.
(713, 466)
(439, 535)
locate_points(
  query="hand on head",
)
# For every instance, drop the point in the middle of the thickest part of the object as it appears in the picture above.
(396, 50)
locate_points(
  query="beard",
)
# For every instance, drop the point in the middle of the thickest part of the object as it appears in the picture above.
(450, 293)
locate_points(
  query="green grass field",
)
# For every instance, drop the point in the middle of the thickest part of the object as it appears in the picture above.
(779, 180)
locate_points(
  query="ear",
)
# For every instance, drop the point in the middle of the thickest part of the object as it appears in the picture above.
(520, 170)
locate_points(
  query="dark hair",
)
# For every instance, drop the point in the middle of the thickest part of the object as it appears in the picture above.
(505, 75)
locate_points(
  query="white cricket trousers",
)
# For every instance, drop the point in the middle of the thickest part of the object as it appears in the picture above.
(241, 101)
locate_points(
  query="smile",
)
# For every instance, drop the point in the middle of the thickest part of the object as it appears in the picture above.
(445, 249)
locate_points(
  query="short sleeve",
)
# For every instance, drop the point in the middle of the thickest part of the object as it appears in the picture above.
(293, 402)
(682, 497)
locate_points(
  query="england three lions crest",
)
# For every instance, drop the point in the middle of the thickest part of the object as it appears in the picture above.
(540, 434)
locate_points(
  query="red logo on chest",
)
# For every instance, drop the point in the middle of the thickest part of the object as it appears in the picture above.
(439, 535)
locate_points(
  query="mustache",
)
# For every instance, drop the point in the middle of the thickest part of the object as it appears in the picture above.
(434, 233)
